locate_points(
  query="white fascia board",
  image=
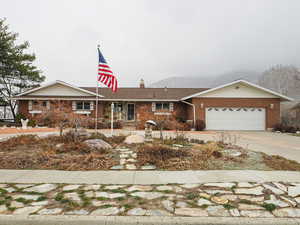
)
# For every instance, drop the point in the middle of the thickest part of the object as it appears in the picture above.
(58, 82)
(94, 99)
(240, 81)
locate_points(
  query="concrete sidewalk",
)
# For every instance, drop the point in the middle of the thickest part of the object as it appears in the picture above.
(145, 177)
(135, 220)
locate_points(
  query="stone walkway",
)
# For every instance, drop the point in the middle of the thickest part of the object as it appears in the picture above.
(128, 159)
(242, 199)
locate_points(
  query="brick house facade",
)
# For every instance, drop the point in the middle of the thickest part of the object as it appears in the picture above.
(230, 106)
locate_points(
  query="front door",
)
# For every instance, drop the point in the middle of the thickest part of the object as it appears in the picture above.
(130, 111)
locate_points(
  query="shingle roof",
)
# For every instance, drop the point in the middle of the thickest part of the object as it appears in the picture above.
(146, 93)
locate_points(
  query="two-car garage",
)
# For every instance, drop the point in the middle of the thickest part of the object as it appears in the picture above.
(227, 118)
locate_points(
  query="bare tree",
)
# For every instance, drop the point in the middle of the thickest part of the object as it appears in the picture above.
(280, 78)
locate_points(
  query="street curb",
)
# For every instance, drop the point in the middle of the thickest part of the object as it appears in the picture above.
(144, 220)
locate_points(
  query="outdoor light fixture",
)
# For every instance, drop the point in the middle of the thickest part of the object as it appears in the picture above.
(271, 106)
(201, 105)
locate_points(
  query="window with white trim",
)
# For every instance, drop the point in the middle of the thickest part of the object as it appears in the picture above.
(162, 106)
(83, 105)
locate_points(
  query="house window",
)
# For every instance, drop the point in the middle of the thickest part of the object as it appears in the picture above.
(118, 107)
(44, 104)
(162, 106)
(83, 105)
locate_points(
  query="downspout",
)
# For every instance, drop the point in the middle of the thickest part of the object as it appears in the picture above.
(194, 110)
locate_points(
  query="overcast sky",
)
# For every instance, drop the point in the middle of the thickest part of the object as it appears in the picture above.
(155, 39)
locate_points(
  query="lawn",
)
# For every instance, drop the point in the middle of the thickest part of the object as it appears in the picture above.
(71, 153)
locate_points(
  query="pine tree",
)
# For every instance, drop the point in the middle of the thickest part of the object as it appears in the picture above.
(17, 72)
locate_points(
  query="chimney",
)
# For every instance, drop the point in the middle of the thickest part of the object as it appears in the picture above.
(142, 83)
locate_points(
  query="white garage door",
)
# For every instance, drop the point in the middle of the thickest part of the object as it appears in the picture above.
(235, 118)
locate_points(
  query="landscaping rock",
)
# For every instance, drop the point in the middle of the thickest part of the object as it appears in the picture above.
(245, 185)
(134, 139)
(275, 201)
(164, 188)
(92, 187)
(203, 201)
(181, 204)
(79, 212)
(256, 213)
(214, 192)
(27, 197)
(294, 191)
(71, 187)
(147, 195)
(217, 211)
(9, 189)
(40, 203)
(281, 186)
(53, 211)
(106, 212)
(168, 205)
(136, 212)
(189, 186)
(130, 167)
(15, 204)
(139, 188)
(22, 186)
(290, 201)
(43, 188)
(204, 195)
(219, 200)
(148, 167)
(252, 198)
(73, 196)
(97, 143)
(89, 194)
(27, 210)
(157, 212)
(108, 195)
(234, 212)
(118, 167)
(275, 190)
(190, 212)
(229, 197)
(250, 191)
(222, 185)
(287, 212)
(113, 187)
(250, 207)
(3, 208)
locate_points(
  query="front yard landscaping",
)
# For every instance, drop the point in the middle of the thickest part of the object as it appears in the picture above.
(79, 152)
(234, 199)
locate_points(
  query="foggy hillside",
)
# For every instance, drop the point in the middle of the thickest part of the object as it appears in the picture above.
(206, 81)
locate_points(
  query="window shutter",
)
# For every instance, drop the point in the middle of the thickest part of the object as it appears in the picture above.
(153, 107)
(73, 105)
(92, 105)
(171, 107)
(29, 105)
(48, 105)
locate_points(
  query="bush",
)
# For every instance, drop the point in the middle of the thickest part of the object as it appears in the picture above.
(18, 118)
(200, 125)
(32, 123)
(285, 128)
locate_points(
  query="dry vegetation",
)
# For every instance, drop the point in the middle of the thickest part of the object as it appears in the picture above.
(210, 156)
(54, 152)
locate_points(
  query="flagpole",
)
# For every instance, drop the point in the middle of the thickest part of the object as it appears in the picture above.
(97, 93)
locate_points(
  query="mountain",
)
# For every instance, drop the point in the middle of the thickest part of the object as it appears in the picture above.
(206, 81)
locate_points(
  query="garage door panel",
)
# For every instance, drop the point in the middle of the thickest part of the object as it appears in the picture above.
(235, 118)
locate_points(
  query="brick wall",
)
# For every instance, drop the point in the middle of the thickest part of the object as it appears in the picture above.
(272, 115)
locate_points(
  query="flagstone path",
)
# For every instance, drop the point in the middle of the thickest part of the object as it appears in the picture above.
(128, 159)
(231, 199)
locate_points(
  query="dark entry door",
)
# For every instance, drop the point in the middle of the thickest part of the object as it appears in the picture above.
(130, 111)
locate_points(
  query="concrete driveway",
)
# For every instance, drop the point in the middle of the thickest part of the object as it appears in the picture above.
(270, 143)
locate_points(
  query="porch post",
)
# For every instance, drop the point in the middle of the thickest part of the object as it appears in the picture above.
(112, 119)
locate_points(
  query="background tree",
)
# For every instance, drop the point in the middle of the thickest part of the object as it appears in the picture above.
(283, 79)
(17, 73)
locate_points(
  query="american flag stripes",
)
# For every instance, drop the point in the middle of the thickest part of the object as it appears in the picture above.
(105, 75)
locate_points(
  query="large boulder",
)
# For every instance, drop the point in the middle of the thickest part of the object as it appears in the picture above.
(134, 139)
(97, 143)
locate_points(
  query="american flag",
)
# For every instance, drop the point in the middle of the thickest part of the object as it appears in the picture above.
(105, 75)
